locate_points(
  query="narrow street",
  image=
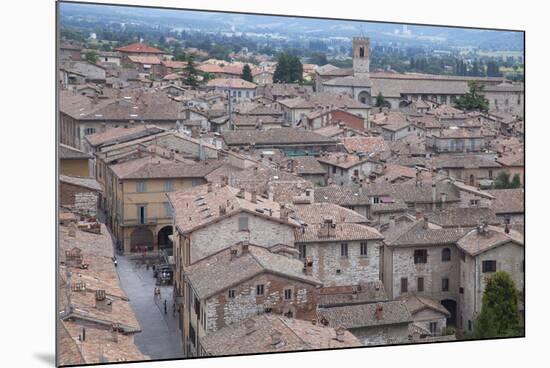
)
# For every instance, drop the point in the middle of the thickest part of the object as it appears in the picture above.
(160, 337)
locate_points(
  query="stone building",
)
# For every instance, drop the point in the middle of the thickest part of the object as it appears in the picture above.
(485, 250)
(399, 89)
(79, 194)
(270, 333)
(73, 162)
(427, 314)
(344, 169)
(506, 97)
(420, 258)
(380, 323)
(239, 282)
(340, 253)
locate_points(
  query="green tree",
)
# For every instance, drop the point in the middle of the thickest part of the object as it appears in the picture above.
(247, 73)
(499, 315)
(318, 58)
(503, 180)
(191, 72)
(473, 100)
(92, 57)
(379, 100)
(516, 181)
(289, 69)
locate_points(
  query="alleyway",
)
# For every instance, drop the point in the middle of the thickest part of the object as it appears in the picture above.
(160, 337)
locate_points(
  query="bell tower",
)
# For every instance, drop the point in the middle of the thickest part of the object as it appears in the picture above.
(361, 51)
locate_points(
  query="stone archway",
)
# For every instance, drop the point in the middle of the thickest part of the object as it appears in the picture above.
(364, 97)
(164, 241)
(141, 238)
(450, 305)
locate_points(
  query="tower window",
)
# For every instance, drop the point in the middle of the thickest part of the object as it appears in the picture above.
(362, 52)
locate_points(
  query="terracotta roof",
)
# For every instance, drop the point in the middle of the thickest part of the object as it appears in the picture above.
(122, 134)
(368, 292)
(508, 201)
(463, 216)
(210, 68)
(316, 212)
(364, 144)
(316, 233)
(139, 48)
(152, 167)
(174, 64)
(342, 159)
(221, 271)
(197, 208)
(414, 235)
(153, 60)
(89, 183)
(417, 303)
(344, 196)
(306, 165)
(295, 335)
(364, 315)
(71, 153)
(281, 136)
(515, 159)
(475, 243)
(230, 83)
(323, 99)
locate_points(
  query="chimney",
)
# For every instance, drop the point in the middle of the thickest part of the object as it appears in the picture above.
(425, 223)
(102, 302)
(379, 314)
(249, 326)
(244, 246)
(209, 186)
(103, 128)
(434, 195)
(308, 266)
(225, 181)
(223, 209)
(240, 194)
(83, 334)
(232, 253)
(443, 200)
(253, 197)
(276, 337)
(284, 213)
(340, 331)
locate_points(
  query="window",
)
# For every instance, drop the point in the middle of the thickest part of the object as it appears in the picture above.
(140, 187)
(474, 202)
(375, 200)
(198, 308)
(490, 174)
(404, 285)
(196, 182)
(142, 214)
(191, 333)
(243, 223)
(260, 289)
(420, 256)
(88, 131)
(433, 328)
(489, 266)
(445, 255)
(461, 290)
(231, 293)
(168, 186)
(506, 102)
(302, 250)
(356, 172)
(288, 294)
(420, 284)
(469, 325)
(363, 246)
(463, 256)
(361, 52)
(334, 169)
(444, 284)
(344, 249)
(239, 93)
(167, 209)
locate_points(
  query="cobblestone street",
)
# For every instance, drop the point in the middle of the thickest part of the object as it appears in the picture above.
(160, 337)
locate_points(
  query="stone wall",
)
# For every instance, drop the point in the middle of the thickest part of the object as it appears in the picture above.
(382, 335)
(222, 310)
(225, 233)
(77, 198)
(354, 268)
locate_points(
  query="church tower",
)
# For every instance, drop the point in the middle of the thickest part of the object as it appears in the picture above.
(361, 51)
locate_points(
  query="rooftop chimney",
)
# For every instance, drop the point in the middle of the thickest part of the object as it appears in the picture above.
(276, 337)
(240, 194)
(209, 186)
(253, 197)
(340, 331)
(425, 223)
(244, 246)
(379, 314)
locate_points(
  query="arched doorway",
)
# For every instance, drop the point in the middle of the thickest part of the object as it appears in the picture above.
(364, 97)
(141, 238)
(450, 305)
(164, 241)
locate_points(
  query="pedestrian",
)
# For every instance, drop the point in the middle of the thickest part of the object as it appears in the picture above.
(116, 262)
(174, 309)
(165, 311)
